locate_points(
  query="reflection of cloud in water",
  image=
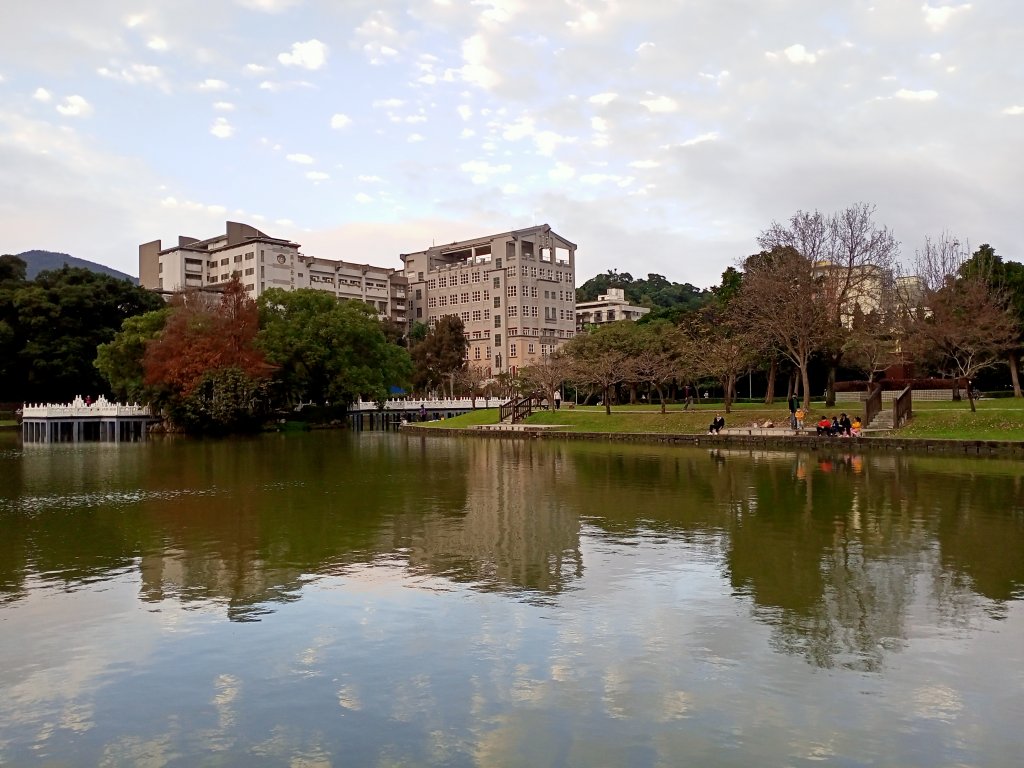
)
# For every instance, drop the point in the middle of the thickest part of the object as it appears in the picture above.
(348, 698)
(937, 702)
(137, 752)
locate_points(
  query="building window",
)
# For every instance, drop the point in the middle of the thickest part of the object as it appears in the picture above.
(497, 321)
(513, 311)
(497, 339)
(442, 301)
(497, 302)
(432, 302)
(511, 290)
(487, 314)
(530, 348)
(497, 263)
(431, 284)
(225, 262)
(464, 317)
(533, 291)
(238, 259)
(464, 279)
(249, 286)
(419, 294)
(419, 311)
(511, 350)
(476, 353)
(250, 271)
(497, 282)
(533, 311)
(442, 282)
(250, 256)
(476, 295)
(487, 352)
(465, 298)
(476, 277)
(476, 314)
(487, 295)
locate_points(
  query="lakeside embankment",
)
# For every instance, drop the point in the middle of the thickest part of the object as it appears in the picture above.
(762, 441)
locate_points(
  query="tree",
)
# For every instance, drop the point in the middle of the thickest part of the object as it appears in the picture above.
(722, 346)
(1007, 277)
(963, 323)
(204, 336)
(872, 346)
(121, 359)
(777, 299)
(328, 351)
(658, 360)
(50, 329)
(440, 355)
(852, 261)
(547, 375)
(599, 358)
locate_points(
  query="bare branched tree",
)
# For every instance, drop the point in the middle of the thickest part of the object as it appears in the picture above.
(548, 374)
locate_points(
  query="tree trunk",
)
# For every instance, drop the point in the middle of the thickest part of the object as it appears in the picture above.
(769, 396)
(607, 402)
(632, 393)
(806, 381)
(1014, 361)
(830, 389)
(661, 397)
(730, 392)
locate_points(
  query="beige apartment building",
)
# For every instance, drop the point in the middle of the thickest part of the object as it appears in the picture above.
(261, 262)
(608, 308)
(514, 291)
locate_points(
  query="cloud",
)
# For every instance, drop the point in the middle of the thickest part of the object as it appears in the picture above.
(157, 44)
(387, 103)
(137, 74)
(1016, 109)
(212, 84)
(256, 69)
(909, 95)
(476, 69)
(311, 54)
(481, 171)
(317, 175)
(364, 198)
(414, 138)
(339, 121)
(937, 17)
(222, 129)
(268, 6)
(300, 158)
(75, 106)
(644, 164)
(797, 54)
(604, 99)
(561, 172)
(370, 179)
(660, 104)
(224, 106)
(43, 95)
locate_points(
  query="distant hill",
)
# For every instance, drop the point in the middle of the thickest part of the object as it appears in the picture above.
(38, 261)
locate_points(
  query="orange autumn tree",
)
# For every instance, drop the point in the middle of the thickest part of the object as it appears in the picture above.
(209, 374)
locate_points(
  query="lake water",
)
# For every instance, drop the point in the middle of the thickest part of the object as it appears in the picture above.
(329, 599)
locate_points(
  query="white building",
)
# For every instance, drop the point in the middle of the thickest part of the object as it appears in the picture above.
(609, 308)
(263, 262)
(514, 292)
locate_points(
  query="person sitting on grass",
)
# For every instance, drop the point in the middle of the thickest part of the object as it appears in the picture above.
(845, 425)
(716, 425)
(824, 426)
(855, 426)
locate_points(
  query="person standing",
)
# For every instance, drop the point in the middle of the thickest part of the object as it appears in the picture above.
(558, 399)
(794, 403)
(799, 416)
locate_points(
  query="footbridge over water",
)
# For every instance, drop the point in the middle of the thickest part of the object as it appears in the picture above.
(370, 415)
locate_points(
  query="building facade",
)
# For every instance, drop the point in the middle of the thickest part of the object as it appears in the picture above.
(514, 292)
(609, 308)
(261, 262)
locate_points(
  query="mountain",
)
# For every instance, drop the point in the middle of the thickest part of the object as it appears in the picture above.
(37, 261)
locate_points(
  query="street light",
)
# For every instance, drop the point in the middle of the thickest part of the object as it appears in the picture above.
(497, 362)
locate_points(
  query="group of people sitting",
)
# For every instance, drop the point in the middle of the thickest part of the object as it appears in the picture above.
(839, 426)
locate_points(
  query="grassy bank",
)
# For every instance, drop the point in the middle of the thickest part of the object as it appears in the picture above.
(1001, 419)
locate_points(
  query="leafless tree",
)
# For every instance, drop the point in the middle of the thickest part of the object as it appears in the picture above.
(548, 374)
(597, 360)
(962, 324)
(657, 362)
(852, 261)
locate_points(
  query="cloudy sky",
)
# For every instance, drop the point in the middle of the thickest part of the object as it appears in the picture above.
(659, 135)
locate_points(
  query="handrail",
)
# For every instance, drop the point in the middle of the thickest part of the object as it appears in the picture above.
(517, 410)
(902, 408)
(873, 403)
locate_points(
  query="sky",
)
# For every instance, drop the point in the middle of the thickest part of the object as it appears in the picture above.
(660, 136)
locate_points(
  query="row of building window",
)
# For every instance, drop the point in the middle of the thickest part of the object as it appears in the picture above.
(513, 350)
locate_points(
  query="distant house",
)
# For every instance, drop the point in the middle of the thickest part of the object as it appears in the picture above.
(609, 308)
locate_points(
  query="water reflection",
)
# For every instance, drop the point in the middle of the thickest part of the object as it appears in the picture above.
(830, 549)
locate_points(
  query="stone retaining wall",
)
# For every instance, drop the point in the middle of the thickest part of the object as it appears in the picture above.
(775, 442)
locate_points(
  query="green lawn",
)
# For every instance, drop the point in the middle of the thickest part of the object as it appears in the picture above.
(997, 419)
(8, 423)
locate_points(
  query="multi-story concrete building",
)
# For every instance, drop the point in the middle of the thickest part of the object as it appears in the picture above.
(609, 308)
(263, 262)
(514, 291)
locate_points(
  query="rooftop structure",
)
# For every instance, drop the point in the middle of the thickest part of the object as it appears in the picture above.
(608, 308)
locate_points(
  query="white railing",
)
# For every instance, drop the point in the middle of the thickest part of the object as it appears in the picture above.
(414, 404)
(79, 408)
